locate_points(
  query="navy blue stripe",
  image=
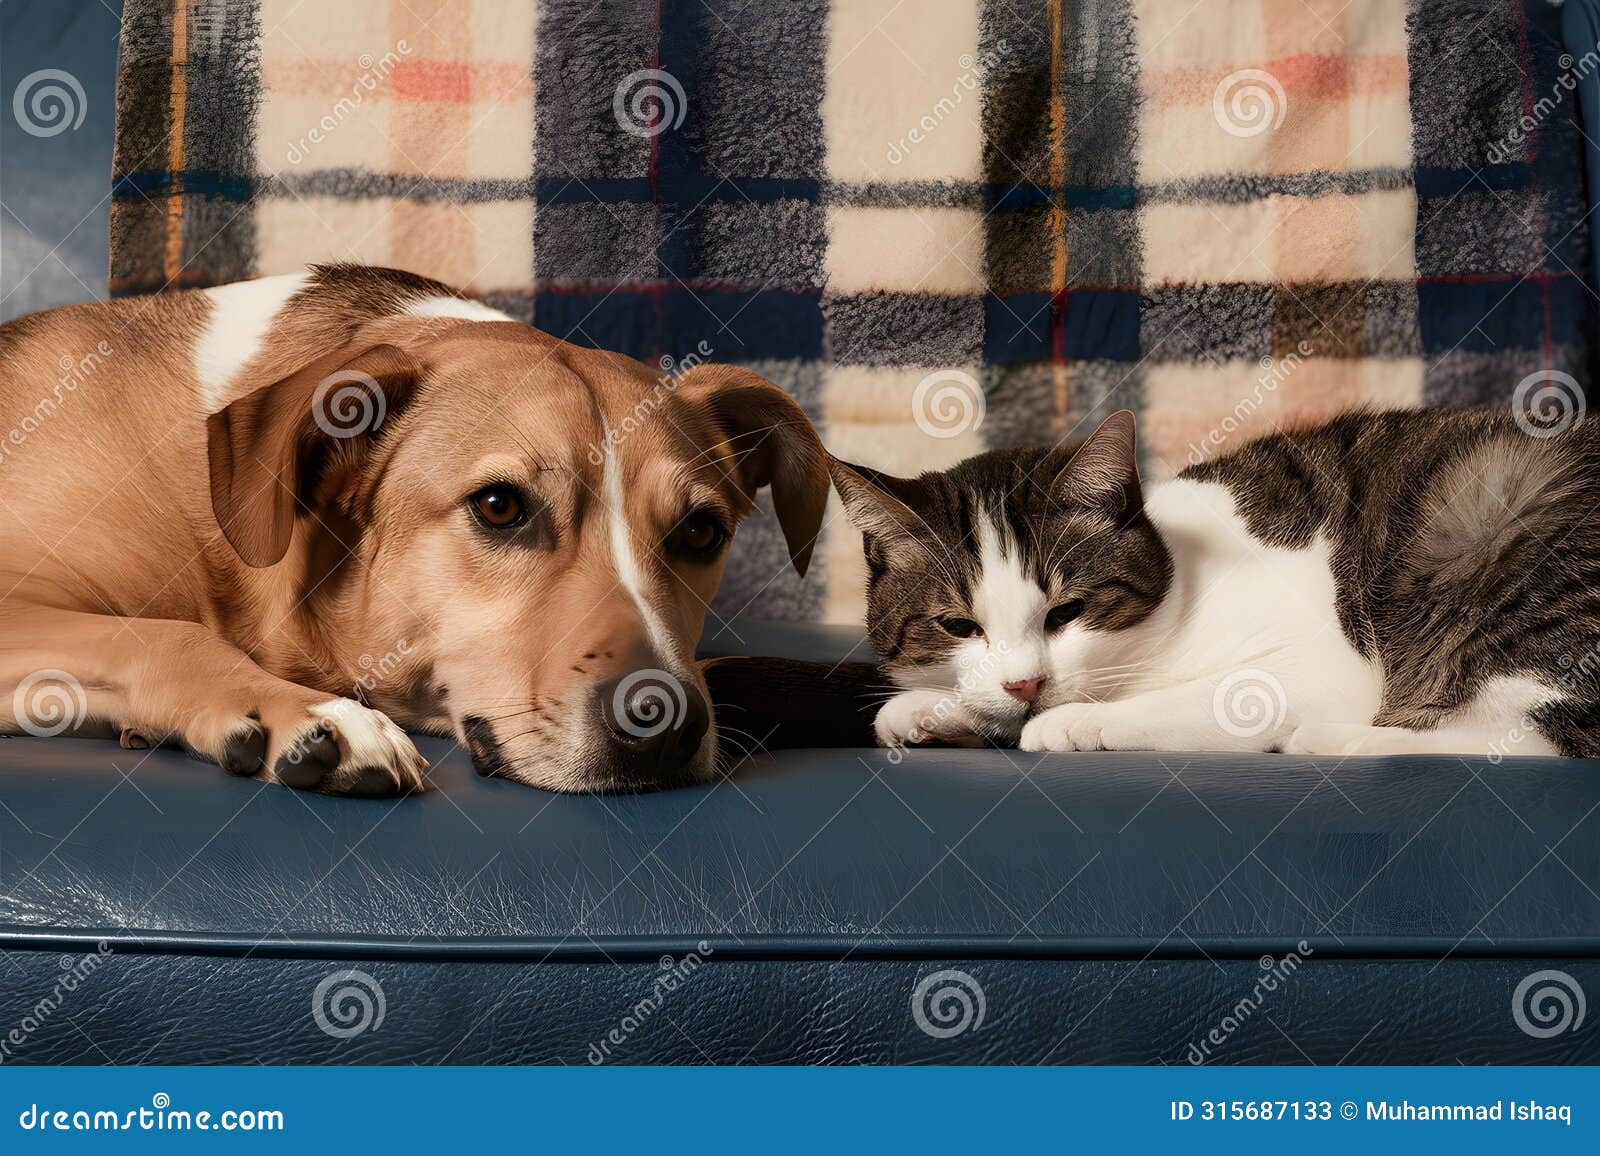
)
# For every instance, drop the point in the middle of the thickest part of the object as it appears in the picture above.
(196, 182)
(692, 188)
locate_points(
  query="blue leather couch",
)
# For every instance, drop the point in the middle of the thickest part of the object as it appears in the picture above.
(1117, 908)
(822, 906)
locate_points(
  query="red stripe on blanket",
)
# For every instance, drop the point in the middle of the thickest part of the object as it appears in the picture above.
(432, 80)
(1309, 75)
(332, 80)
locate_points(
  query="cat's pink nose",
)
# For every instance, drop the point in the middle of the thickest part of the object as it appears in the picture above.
(1026, 689)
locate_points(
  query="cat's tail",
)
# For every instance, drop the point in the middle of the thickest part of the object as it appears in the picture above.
(783, 703)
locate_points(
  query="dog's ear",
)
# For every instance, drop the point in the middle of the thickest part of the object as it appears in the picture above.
(268, 449)
(772, 444)
(877, 504)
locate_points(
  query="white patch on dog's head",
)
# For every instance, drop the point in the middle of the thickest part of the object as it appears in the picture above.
(629, 572)
(241, 315)
(459, 307)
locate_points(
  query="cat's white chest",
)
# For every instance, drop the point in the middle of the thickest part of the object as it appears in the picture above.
(1258, 620)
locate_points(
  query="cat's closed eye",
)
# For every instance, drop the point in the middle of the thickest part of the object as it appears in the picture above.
(960, 627)
(1062, 614)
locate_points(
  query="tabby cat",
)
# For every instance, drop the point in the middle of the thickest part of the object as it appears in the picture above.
(1384, 583)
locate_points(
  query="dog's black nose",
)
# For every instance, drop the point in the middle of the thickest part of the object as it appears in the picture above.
(656, 722)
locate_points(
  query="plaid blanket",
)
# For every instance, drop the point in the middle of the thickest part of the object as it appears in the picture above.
(942, 227)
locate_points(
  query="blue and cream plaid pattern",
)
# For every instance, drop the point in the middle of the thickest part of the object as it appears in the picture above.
(942, 227)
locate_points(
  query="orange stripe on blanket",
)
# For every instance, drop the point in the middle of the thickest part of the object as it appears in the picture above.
(172, 258)
(426, 80)
(1312, 76)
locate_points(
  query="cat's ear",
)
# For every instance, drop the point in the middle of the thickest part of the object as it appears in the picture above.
(1105, 470)
(875, 502)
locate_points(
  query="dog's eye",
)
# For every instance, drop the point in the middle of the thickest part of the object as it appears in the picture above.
(498, 507)
(960, 627)
(1060, 615)
(700, 534)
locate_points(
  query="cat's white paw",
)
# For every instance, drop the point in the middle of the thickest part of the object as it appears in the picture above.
(920, 716)
(1347, 739)
(1110, 726)
(1077, 726)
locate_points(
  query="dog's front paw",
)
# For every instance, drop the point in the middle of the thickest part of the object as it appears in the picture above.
(922, 716)
(336, 745)
(344, 748)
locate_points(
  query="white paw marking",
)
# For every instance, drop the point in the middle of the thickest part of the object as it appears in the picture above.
(370, 738)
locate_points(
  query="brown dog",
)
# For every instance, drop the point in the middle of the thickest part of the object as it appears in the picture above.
(226, 515)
